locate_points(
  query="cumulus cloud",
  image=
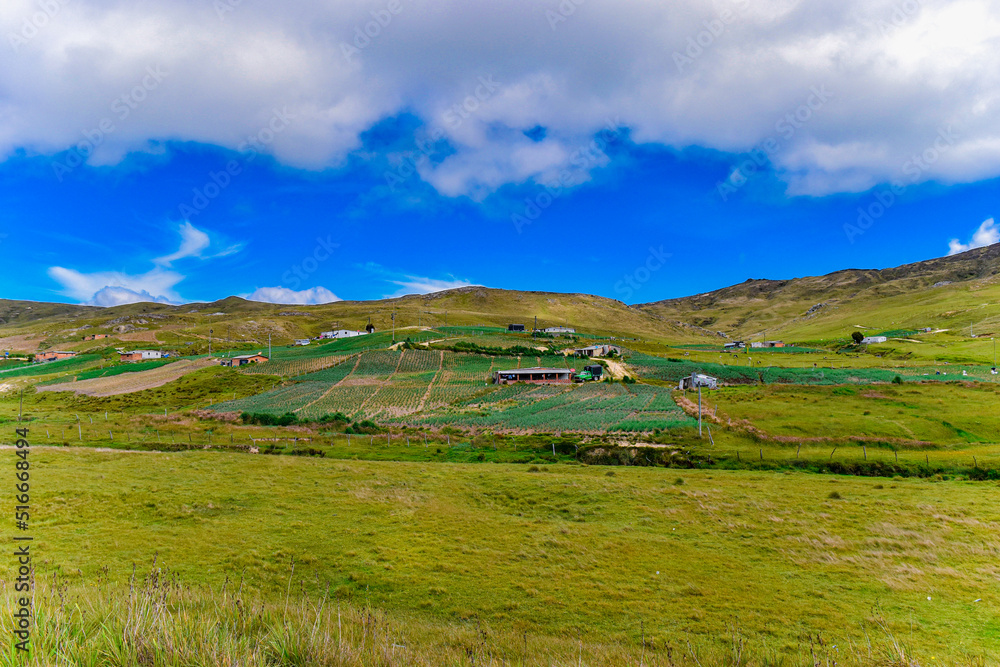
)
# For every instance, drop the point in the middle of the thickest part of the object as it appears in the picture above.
(986, 234)
(721, 74)
(283, 295)
(119, 296)
(112, 288)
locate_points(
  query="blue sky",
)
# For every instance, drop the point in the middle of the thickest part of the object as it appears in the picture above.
(640, 154)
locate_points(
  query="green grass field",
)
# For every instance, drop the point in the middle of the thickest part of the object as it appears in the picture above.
(568, 555)
(939, 414)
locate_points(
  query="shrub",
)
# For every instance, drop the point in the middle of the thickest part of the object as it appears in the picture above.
(264, 419)
(834, 495)
(897, 380)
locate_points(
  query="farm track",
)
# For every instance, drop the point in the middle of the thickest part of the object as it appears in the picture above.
(385, 383)
(440, 370)
(130, 382)
(337, 384)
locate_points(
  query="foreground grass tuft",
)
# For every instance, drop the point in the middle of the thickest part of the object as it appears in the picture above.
(155, 619)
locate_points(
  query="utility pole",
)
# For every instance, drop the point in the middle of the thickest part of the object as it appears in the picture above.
(393, 324)
(210, 331)
(699, 406)
(269, 347)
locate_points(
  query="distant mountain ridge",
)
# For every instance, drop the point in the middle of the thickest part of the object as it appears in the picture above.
(756, 306)
(945, 291)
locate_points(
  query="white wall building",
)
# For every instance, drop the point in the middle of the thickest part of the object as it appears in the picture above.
(342, 333)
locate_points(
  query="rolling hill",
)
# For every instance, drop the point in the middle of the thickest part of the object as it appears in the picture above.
(960, 293)
(954, 293)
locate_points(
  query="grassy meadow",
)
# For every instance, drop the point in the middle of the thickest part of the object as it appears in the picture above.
(637, 559)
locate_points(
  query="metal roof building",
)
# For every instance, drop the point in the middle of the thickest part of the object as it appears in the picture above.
(534, 376)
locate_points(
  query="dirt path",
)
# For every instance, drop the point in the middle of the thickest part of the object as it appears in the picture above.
(384, 383)
(440, 370)
(615, 369)
(337, 384)
(126, 383)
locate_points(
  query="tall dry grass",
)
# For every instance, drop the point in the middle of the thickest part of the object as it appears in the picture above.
(155, 619)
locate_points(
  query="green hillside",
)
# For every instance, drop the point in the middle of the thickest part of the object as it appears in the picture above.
(953, 293)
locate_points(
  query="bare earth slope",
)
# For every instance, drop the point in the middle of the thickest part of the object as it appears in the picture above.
(126, 383)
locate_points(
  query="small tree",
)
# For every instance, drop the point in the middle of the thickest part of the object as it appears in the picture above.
(858, 337)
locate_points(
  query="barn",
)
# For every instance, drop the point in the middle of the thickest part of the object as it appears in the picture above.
(534, 376)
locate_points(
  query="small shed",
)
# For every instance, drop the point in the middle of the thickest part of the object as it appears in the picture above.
(302, 341)
(597, 350)
(141, 355)
(515, 327)
(54, 355)
(243, 360)
(696, 380)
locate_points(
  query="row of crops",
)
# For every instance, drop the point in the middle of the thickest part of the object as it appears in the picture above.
(672, 370)
(292, 367)
(590, 407)
(436, 388)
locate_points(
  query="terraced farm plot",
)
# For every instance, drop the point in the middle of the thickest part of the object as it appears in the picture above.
(443, 388)
(292, 367)
(589, 408)
(70, 365)
(277, 401)
(419, 361)
(378, 364)
(334, 374)
(347, 399)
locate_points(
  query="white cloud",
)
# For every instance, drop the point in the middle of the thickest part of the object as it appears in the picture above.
(113, 287)
(193, 241)
(897, 74)
(283, 295)
(118, 296)
(417, 285)
(986, 234)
